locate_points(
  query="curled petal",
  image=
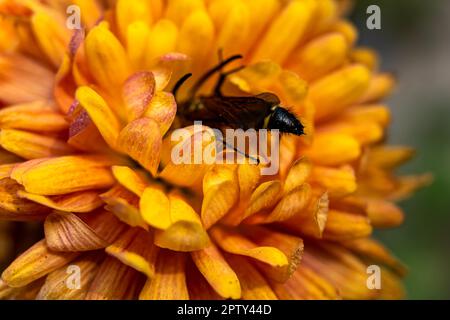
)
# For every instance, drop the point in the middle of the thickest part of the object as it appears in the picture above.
(154, 205)
(135, 249)
(297, 174)
(162, 108)
(232, 242)
(344, 225)
(265, 196)
(339, 182)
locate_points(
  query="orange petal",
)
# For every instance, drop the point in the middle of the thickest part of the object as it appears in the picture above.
(84, 201)
(249, 176)
(105, 224)
(141, 140)
(380, 87)
(135, 249)
(32, 146)
(320, 56)
(264, 197)
(253, 284)
(35, 263)
(312, 220)
(115, 281)
(35, 116)
(384, 214)
(137, 92)
(221, 192)
(344, 225)
(169, 282)
(66, 232)
(56, 288)
(285, 31)
(297, 174)
(217, 272)
(100, 113)
(232, 242)
(75, 173)
(339, 182)
(290, 205)
(162, 108)
(338, 90)
(331, 149)
(186, 232)
(130, 179)
(14, 208)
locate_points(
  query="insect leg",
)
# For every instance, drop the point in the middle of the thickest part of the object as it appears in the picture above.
(210, 73)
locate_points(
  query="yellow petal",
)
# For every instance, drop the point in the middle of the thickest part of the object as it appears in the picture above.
(128, 12)
(66, 232)
(105, 224)
(169, 282)
(35, 263)
(135, 249)
(330, 149)
(320, 56)
(100, 113)
(141, 140)
(178, 10)
(249, 176)
(232, 242)
(137, 40)
(84, 201)
(106, 56)
(31, 145)
(137, 92)
(73, 173)
(366, 56)
(52, 36)
(285, 32)
(217, 272)
(155, 207)
(380, 87)
(162, 39)
(130, 179)
(339, 89)
(186, 232)
(338, 181)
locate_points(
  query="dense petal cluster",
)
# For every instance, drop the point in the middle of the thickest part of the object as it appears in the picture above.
(85, 121)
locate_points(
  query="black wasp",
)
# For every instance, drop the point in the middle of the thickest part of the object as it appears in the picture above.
(262, 111)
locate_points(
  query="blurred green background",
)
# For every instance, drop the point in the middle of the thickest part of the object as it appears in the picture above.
(414, 44)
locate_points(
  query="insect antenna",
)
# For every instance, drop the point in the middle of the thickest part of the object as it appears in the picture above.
(222, 78)
(210, 73)
(227, 145)
(179, 83)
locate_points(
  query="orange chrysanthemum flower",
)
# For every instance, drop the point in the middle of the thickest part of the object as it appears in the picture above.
(85, 120)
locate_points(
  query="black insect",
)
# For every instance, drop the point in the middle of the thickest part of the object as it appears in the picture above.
(262, 111)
